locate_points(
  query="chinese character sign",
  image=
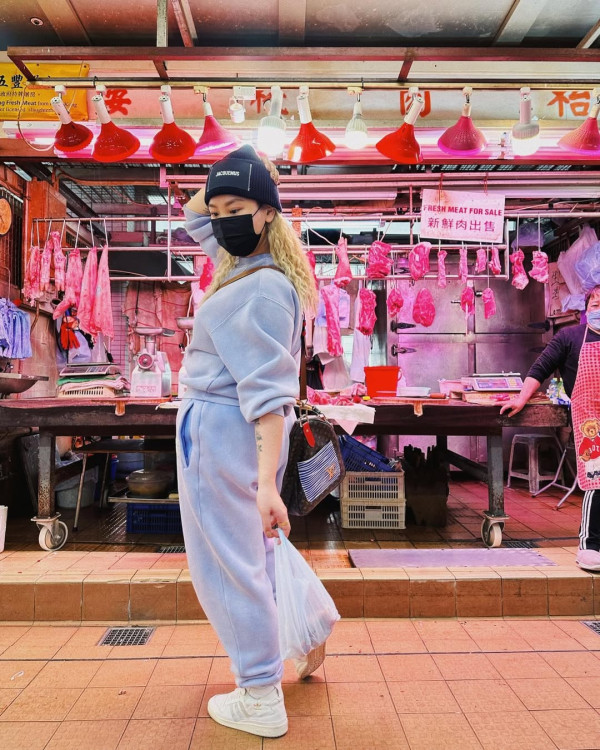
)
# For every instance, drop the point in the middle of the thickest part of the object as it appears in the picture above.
(19, 100)
(454, 215)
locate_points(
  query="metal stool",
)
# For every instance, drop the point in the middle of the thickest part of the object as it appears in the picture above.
(532, 474)
(569, 446)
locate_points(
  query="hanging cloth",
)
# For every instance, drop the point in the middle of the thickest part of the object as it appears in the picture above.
(585, 410)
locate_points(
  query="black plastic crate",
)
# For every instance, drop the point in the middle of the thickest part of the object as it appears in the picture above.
(151, 518)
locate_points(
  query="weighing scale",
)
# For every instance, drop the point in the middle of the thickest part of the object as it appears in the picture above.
(495, 381)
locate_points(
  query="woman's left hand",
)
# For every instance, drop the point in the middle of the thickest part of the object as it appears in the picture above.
(272, 512)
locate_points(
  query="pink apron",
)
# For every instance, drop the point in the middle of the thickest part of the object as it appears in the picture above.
(585, 410)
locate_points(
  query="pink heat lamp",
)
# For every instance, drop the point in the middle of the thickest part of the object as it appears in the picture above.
(401, 146)
(310, 144)
(171, 144)
(113, 143)
(70, 136)
(463, 138)
(586, 137)
(214, 136)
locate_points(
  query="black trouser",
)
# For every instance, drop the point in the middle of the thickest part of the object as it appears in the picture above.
(589, 532)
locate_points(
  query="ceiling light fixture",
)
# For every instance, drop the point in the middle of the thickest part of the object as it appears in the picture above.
(237, 111)
(586, 137)
(356, 135)
(171, 144)
(214, 136)
(525, 134)
(463, 138)
(401, 146)
(310, 144)
(70, 136)
(271, 130)
(113, 143)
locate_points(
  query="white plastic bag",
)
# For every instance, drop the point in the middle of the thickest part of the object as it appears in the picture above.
(306, 612)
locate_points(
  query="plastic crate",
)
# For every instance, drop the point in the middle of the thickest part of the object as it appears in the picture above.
(153, 518)
(359, 457)
(371, 500)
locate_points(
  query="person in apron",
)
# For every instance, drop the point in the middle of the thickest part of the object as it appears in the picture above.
(241, 385)
(575, 352)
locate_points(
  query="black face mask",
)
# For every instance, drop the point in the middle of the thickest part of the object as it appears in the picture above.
(236, 234)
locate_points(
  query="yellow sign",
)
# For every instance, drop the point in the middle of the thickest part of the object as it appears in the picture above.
(22, 100)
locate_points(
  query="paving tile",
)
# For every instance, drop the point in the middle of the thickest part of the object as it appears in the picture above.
(465, 667)
(444, 636)
(578, 664)
(571, 730)
(478, 695)
(389, 636)
(87, 735)
(432, 598)
(350, 638)
(61, 674)
(349, 698)
(105, 601)
(386, 597)
(153, 649)
(16, 601)
(346, 592)
(157, 734)
(314, 733)
(130, 673)
(439, 732)
(191, 640)
(106, 703)
(84, 644)
(521, 665)
(478, 597)
(169, 702)
(423, 697)
(402, 667)
(181, 671)
(547, 694)
(208, 735)
(57, 601)
(495, 635)
(580, 633)
(220, 672)
(187, 605)
(26, 735)
(382, 732)
(153, 600)
(18, 674)
(41, 704)
(524, 595)
(500, 730)
(9, 634)
(357, 668)
(307, 699)
(545, 635)
(7, 696)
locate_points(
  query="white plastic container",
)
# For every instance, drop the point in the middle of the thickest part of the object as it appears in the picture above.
(66, 492)
(3, 520)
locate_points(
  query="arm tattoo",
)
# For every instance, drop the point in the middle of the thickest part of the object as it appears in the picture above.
(258, 437)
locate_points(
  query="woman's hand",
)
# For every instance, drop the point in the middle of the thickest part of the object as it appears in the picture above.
(515, 405)
(272, 511)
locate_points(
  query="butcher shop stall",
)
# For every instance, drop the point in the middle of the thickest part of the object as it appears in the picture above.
(448, 202)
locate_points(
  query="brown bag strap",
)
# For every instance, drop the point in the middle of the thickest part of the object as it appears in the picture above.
(248, 272)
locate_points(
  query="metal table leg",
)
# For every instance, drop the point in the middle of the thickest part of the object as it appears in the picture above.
(53, 533)
(494, 518)
(79, 491)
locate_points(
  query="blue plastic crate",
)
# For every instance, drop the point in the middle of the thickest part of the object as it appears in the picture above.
(150, 518)
(359, 457)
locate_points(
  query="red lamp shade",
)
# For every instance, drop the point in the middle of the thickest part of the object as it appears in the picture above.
(70, 136)
(113, 143)
(586, 137)
(401, 146)
(171, 144)
(310, 144)
(463, 138)
(214, 137)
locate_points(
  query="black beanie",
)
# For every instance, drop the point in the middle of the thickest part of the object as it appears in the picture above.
(242, 173)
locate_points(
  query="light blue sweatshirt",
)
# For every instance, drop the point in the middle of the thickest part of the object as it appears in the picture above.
(245, 347)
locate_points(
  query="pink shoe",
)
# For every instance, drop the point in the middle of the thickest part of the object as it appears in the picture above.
(588, 559)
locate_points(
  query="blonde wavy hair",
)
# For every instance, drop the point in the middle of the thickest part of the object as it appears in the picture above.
(287, 253)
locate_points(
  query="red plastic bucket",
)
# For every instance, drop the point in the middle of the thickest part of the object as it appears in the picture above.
(381, 381)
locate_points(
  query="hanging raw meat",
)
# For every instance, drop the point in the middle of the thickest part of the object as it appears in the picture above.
(441, 259)
(379, 264)
(494, 261)
(331, 299)
(467, 301)
(418, 260)
(463, 267)
(367, 317)
(60, 262)
(539, 271)
(312, 261)
(88, 291)
(489, 303)
(519, 279)
(424, 309)
(102, 317)
(343, 274)
(32, 289)
(395, 302)
(73, 279)
(481, 260)
(46, 263)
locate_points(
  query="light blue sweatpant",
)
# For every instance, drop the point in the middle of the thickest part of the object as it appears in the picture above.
(230, 559)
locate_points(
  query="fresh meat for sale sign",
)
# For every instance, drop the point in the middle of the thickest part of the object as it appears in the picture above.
(465, 216)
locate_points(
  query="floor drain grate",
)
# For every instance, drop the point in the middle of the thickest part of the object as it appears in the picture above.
(172, 548)
(519, 544)
(592, 625)
(126, 636)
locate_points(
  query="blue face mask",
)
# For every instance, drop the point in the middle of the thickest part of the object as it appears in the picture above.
(593, 318)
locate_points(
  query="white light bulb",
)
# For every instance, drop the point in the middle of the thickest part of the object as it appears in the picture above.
(525, 134)
(356, 136)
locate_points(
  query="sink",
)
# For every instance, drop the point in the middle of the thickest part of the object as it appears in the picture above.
(14, 382)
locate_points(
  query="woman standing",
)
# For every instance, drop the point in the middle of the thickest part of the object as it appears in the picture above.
(233, 424)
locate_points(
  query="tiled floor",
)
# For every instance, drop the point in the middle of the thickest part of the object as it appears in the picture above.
(526, 684)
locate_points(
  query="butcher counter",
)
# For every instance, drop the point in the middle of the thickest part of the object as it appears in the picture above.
(106, 417)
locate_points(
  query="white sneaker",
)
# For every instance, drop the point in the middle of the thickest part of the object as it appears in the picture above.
(258, 710)
(588, 559)
(311, 662)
